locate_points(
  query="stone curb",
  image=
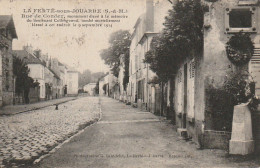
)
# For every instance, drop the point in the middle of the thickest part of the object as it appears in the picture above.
(37, 108)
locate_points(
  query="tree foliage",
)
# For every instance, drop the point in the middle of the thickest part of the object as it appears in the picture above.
(119, 43)
(97, 88)
(23, 82)
(88, 77)
(238, 88)
(126, 71)
(181, 37)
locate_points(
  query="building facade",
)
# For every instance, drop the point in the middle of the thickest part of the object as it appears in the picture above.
(72, 82)
(149, 24)
(36, 66)
(7, 34)
(199, 73)
(90, 88)
(122, 89)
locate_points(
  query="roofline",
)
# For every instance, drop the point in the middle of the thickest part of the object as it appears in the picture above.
(72, 71)
(146, 34)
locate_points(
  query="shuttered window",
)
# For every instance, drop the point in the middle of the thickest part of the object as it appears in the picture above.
(192, 69)
(255, 68)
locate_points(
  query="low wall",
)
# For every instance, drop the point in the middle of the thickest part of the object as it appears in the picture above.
(216, 139)
(7, 98)
(34, 95)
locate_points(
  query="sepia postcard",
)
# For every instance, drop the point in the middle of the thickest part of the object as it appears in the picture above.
(129, 83)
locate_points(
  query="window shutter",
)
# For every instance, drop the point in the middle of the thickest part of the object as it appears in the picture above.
(192, 69)
(255, 68)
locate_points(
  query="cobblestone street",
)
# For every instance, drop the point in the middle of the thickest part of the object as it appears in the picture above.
(26, 136)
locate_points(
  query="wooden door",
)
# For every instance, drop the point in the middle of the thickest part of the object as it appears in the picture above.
(254, 69)
(185, 95)
(190, 89)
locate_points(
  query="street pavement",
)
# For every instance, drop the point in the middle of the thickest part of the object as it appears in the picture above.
(27, 136)
(126, 137)
(15, 109)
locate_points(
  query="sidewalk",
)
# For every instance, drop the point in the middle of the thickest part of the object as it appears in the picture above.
(15, 109)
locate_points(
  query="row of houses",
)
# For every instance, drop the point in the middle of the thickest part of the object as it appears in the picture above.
(55, 79)
(185, 98)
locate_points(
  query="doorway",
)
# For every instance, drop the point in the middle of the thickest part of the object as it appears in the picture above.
(185, 96)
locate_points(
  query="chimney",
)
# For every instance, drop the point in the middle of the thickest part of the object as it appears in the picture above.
(37, 53)
(149, 16)
(28, 48)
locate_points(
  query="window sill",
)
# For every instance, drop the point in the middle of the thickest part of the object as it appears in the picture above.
(179, 115)
(191, 119)
(237, 30)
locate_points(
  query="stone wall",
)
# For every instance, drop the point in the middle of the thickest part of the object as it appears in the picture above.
(216, 139)
(216, 64)
(7, 70)
(7, 98)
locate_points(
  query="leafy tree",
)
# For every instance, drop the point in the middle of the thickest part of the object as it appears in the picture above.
(161, 61)
(182, 36)
(88, 77)
(84, 78)
(23, 82)
(95, 77)
(104, 88)
(119, 44)
(126, 72)
(97, 88)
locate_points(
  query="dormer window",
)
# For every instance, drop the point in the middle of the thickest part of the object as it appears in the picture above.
(240, 19)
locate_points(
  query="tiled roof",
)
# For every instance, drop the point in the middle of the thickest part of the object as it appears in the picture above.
(6, 21)
(27, 57)
(55, 75)
(70, 69)
(60, 64)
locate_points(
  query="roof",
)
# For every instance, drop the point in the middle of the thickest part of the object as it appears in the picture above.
(55, 75)
(6, 21)
(90, 84)
(146, 34)
(60, 64)
(27, 57)
(70, 69)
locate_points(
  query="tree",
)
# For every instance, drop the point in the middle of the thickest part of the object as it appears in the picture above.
(84, 78)
(97, 88)
(119, 44)
(181, 37)
(23, 82)
(88, 77)
(105, 88)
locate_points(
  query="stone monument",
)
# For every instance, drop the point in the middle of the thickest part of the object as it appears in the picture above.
(241, 142)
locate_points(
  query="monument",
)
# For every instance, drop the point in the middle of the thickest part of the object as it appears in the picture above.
(241, 142)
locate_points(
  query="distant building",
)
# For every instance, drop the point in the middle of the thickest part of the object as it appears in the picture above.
(140, 89)
(102, 86)
(7, 34)
(72, 81)
(90, 88)
(36, 66)
(63, 77)
(122, 91)
(108, 85)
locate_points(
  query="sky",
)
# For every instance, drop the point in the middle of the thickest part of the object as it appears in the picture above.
(76, 46)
